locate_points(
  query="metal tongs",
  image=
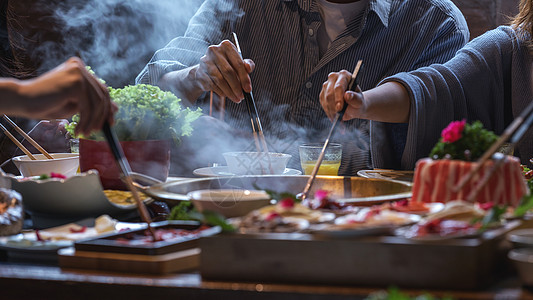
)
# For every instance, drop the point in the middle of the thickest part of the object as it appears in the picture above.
(125, 169)
(257, 128)
(336, 121)
(515, 131)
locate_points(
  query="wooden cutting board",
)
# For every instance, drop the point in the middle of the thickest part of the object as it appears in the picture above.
(153, 264)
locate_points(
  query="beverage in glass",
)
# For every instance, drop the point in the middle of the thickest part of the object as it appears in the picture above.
(309, 154)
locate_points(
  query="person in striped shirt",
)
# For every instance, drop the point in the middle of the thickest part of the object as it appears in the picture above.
(490, 80)
(290, 47)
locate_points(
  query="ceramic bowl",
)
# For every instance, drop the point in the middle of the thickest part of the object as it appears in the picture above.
(256, 163)
(229, 202)
(521, 238)
(63, 163)
(523, 260)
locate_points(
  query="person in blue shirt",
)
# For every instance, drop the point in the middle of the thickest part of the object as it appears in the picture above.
(290, 47)
(490, 80)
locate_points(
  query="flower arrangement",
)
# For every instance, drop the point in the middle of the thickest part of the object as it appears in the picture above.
(463, 141)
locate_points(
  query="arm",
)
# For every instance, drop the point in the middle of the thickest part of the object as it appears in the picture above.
(59, 93)
(202, 60)
(386, 103)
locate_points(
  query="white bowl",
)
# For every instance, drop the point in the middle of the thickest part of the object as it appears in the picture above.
(523, 261)
(63, 163)
(256, 163)
(229, 202)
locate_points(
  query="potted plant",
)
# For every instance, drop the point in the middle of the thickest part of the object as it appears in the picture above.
(147, 122)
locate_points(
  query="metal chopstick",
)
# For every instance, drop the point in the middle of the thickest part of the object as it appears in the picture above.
(257, 128)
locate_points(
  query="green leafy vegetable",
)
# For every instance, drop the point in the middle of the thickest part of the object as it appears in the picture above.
(474, 141)
(278, 196)
(185, 211)
(526, 204)
(147, 112)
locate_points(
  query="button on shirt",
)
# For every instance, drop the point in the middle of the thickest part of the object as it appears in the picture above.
(393, 36)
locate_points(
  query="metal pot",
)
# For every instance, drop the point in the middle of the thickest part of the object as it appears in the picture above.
(352, 190)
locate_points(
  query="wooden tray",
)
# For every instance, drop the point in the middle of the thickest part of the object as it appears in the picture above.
(154, 264)
(111, 243)
(370, 261)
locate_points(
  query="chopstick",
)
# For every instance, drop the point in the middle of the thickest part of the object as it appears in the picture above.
(259, 137)
(516, 129)
(28, 138)
(336, 121)
(125, 169)
(500, 158)
(11, 137)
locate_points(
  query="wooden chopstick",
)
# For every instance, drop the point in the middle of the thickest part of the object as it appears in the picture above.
(28, 138)
(11, 137)
(509, 131)
(336, 121)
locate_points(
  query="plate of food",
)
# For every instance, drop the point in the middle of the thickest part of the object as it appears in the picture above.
(48, 241)
(171, 236)
(286, 216)
(458, 219)
(367, 221)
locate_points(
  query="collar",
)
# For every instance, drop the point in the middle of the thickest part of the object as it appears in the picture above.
(380, 7)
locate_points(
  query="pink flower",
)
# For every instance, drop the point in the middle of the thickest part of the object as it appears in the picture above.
(453, 132)
(286, 203)
(321, 195)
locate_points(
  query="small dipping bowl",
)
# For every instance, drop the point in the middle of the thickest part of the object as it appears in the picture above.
(523, 261)
(63, 163)
(229, 202)
(521, 238)
(256, 163)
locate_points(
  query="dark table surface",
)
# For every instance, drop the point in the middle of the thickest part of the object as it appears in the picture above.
(29, 279)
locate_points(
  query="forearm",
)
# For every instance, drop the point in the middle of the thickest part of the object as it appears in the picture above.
(389, 102)
(12, 100)
(182, 83)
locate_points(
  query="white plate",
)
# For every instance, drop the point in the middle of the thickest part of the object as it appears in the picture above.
(223, 171)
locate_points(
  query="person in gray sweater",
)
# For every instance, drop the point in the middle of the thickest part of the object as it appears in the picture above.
(488, 80)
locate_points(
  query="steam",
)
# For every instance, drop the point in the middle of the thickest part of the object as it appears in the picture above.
(116, 37)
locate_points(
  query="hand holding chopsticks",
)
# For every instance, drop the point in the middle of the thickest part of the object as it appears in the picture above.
(336, 121)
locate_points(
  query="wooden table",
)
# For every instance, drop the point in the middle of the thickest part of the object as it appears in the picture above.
(33, 280)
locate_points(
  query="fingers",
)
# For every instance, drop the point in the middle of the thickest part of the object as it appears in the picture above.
(356, 104)
(332, 93)
(223, 71)
(96, 107)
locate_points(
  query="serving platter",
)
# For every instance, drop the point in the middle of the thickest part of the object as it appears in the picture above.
(467, 263)
(122, 242)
